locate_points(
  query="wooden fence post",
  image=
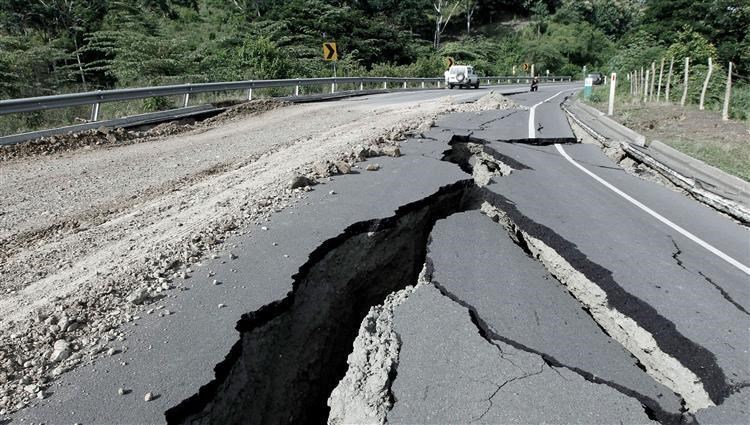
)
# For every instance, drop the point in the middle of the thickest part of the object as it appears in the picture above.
(727, 95)
(645, 87)
(642, 80)
(632, 82)
(687, 81)
(669, 80)
(637, 83)
(705, 84)
(658, 86)
(653, 81)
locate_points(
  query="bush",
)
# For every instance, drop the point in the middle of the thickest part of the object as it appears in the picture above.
(739, 105)
(160, 103)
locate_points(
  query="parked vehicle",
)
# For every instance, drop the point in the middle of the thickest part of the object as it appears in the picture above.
(597, 78)
(461, 76)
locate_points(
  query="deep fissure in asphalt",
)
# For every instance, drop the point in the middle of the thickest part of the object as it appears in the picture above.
(690, 354)
(292, 353)
(464, 149)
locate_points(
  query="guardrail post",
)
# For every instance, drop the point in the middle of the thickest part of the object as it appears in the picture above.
(404, 84)
(95, 111)
(185, 100)
(249, 94)
(296, 90)
(361, 86)
(333, 87)
(422, 84)
(385, 84)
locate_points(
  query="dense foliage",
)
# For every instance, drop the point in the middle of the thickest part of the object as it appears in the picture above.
(53, 46)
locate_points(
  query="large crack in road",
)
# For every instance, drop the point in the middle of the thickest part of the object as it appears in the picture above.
(292, 353)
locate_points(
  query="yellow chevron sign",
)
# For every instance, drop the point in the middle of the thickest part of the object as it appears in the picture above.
(329, 52)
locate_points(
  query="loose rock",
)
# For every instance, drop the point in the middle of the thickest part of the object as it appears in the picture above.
(299, 181)
(343, 167)
(139, 296)
(61, 351)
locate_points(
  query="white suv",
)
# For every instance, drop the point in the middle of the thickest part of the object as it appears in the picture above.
(461, 76)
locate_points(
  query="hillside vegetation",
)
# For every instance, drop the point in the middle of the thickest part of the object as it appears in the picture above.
(57, 46)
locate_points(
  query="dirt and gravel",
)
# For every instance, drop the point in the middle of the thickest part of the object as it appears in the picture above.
(93, 231)
(107, 137)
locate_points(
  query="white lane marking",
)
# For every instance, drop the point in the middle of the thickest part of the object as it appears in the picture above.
(532, 112)
(658, 216)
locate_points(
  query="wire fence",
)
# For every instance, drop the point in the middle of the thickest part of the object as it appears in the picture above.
(680, 81)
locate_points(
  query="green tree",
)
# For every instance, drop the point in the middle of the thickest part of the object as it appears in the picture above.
(689, 43)
(636, 50)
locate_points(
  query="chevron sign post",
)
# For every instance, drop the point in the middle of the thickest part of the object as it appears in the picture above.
(331, 54)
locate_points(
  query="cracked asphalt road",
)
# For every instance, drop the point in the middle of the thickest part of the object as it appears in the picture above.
(497, 336)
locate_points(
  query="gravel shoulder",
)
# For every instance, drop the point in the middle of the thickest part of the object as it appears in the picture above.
(88, 236)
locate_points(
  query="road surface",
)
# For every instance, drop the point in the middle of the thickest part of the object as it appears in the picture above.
(495, 272)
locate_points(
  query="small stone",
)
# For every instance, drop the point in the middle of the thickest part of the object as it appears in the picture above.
(390, 150)
(360, 152)
(373, 167)
(41, 395)
(148, 397)
(31, 388)
(333, 192)
(221, 306)
(216, 282)
(111, 352)
(263, 228)
(139, 296)
(343, 167)
(122, 391)
(322, 168)
(61, 351)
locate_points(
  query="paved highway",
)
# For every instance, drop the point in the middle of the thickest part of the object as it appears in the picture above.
(561, 289)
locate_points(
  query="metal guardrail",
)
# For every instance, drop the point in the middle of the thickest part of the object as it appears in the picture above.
(95, 98)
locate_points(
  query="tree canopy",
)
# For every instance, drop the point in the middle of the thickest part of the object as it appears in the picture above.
(53, 46)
